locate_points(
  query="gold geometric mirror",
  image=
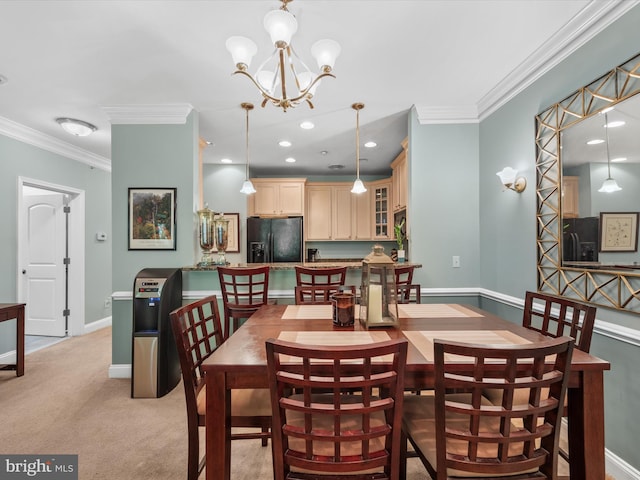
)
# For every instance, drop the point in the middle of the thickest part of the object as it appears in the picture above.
(612, 284)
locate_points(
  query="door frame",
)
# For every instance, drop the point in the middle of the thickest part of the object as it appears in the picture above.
(76, 238)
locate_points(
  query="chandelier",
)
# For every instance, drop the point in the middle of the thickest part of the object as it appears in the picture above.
(283, 79)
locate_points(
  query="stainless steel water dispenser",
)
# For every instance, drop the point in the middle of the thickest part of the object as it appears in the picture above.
(155, 364)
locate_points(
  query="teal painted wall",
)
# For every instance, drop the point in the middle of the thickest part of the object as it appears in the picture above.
(443, 214)
(21, 159)
(163, 156)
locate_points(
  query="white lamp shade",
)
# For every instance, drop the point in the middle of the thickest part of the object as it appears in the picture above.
(242, 50)
(609, 186)
(247, 188)
(305, 79)
(358, 186)
(281, 26)
(267, 80)
(507, 175)
(325, 52)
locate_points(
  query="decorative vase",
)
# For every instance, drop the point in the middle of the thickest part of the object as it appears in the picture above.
(401, 256)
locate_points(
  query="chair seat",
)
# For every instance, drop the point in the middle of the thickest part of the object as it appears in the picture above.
(253, 402)
(419, 422)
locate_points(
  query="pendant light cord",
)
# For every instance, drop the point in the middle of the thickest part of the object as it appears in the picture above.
(606, 132)
(247, 145)
(358, 143)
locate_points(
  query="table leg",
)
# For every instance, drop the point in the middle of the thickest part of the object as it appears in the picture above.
(20, 342)
(586, 427)
(218, 427)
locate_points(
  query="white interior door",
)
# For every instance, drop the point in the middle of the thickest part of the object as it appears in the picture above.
(43, 268)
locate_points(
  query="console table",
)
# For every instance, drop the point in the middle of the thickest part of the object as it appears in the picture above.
(9, 311)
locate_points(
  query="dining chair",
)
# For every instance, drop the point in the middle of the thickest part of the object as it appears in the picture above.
(198, 333)
(311, 276)
(244, 291)
(556, 316)
(340, 434)
(319, 294)
(465, 435)
(407, 291)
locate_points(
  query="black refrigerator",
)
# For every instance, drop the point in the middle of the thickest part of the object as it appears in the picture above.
(581, 239)
(273, 240)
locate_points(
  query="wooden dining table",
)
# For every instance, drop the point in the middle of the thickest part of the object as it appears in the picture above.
(241, 363)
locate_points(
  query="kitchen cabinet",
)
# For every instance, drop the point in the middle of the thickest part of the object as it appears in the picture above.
(400, 179)
(381, 191)
(570, 198)
(277, 196)
(334, 213)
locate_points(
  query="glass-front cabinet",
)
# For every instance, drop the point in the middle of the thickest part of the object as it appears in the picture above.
(383, 214)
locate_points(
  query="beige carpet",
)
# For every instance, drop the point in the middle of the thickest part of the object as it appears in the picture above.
(66, 404)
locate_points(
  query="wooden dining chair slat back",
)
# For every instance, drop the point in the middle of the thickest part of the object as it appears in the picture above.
(197, 330)
(556, 316)
(319, 294)
(408, 292)
(348, 433)
(477, 439)
(244, 291)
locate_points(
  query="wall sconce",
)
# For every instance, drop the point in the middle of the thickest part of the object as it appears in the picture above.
(509, 178)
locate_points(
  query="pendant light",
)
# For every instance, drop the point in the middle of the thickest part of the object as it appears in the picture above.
(247, 186)
(358, 186)
(609, 185)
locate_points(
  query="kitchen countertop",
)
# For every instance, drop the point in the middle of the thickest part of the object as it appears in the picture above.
(326, 263)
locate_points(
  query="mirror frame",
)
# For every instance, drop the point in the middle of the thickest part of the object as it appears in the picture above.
(617, 289)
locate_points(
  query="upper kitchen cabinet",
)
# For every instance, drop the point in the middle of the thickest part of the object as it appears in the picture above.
(400, 179)
(277, 196)
(334, 213)
(381, 191)
(570, 204)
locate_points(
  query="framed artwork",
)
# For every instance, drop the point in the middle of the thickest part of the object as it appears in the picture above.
(619, 231)
(152, 218)
(233, 232)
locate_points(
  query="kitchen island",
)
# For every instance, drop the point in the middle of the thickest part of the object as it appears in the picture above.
(328, 263)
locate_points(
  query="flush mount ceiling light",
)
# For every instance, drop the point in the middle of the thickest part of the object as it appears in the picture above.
(283, 68)
(75, 127)
(509, 178)
(358, 186)
(609, 185)
(247, 186)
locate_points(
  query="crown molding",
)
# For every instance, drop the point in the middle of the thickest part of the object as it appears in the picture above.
(594, 18)
(38, 139)
(432, 115)
(173, 114)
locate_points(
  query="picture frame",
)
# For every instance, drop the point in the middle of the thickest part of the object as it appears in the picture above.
(233, 232)
(618, 231)
(152, 218)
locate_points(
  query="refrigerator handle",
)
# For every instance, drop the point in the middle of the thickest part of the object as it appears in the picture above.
(269, 249)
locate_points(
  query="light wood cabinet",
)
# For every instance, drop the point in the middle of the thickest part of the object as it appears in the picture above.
(400, 179)
(570, 198)
(381, 191)
(334, 213)
(277, 196)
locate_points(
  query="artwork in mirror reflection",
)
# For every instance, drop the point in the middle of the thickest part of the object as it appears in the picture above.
(597, 153)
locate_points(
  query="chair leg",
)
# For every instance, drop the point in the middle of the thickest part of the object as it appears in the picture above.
(193, 467)
(265, 440)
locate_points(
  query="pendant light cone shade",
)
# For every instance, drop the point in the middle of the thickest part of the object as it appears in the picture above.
(358, 186)
(609, 185)
(247, 186)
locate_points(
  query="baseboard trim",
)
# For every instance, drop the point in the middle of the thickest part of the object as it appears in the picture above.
(618, 468)
(97, 325)
(120, 370)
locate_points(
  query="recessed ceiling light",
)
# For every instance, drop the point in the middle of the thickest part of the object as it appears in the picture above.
(226, 160)
(324, 152)
(79, 128)
(595, 141)
(284, 143)
(617, 123)
(290, 160)
(619, 159)
(370, 144)
(307, 125)
(336, 167)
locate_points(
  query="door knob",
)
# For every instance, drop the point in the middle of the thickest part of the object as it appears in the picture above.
(24, 271)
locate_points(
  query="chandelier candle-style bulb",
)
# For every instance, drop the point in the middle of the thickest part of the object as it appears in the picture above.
(283, 78)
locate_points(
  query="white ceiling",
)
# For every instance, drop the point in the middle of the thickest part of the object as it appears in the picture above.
(456, 60)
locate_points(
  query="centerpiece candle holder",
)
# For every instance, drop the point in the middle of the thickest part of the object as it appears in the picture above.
(379, 297)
